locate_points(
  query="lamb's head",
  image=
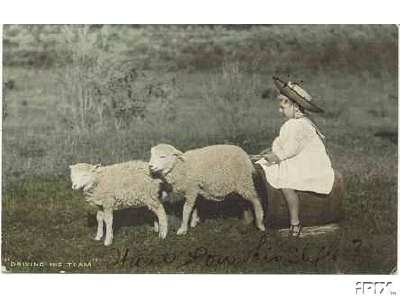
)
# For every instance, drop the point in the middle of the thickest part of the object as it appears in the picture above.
(163, 159)
(83, 175)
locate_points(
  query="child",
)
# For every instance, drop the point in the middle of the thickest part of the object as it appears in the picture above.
(298, 160)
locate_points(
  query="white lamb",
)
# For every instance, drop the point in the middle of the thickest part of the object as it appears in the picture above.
(212, 172)
(119, 186)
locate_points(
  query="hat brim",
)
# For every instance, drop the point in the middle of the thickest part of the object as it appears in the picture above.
(286, 90)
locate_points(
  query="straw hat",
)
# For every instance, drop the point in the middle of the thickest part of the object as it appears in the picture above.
(297, 94)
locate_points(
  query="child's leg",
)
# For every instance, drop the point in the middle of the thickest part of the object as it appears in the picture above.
(293, 204)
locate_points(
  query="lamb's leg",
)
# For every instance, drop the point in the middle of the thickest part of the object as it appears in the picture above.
(108, 218)
(259, 214)
(187, 209)
(195, 218)
(162, 221)
(100, 225)
(156, 229)
(258, 210)
(248, 216)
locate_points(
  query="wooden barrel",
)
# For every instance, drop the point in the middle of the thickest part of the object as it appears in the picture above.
(315, 209)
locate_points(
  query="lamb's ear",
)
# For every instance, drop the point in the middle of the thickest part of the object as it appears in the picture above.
(95, 167)
(178, 154)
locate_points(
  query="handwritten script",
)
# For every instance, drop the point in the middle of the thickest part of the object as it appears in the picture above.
(264, 252)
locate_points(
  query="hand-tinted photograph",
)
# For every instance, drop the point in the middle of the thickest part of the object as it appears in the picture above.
(200, 149)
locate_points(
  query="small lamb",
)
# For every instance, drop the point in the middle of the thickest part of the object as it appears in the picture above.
(119, 186)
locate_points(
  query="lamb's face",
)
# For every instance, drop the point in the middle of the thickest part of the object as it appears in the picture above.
(163, 159)
(82, 176)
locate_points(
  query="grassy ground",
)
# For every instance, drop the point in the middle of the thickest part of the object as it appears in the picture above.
(43, 221)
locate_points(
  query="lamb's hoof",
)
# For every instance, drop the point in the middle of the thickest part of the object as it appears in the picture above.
(162, 234)
(261, 227)
(107, 243)
(194, 223)
(181, 231)
(97, 238)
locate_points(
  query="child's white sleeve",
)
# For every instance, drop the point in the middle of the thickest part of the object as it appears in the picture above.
(289, 143)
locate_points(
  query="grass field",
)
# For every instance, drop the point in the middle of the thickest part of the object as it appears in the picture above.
(211, 93)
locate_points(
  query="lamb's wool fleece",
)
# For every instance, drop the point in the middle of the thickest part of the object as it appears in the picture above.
(124, 185)
(212, 172)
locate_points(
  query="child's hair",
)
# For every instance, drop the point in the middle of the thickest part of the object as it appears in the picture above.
(284, 98)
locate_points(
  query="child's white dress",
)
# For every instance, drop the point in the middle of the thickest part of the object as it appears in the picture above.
(304, 163)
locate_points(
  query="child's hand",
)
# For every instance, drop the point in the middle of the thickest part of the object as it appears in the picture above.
(271, 158)
(267, 163)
